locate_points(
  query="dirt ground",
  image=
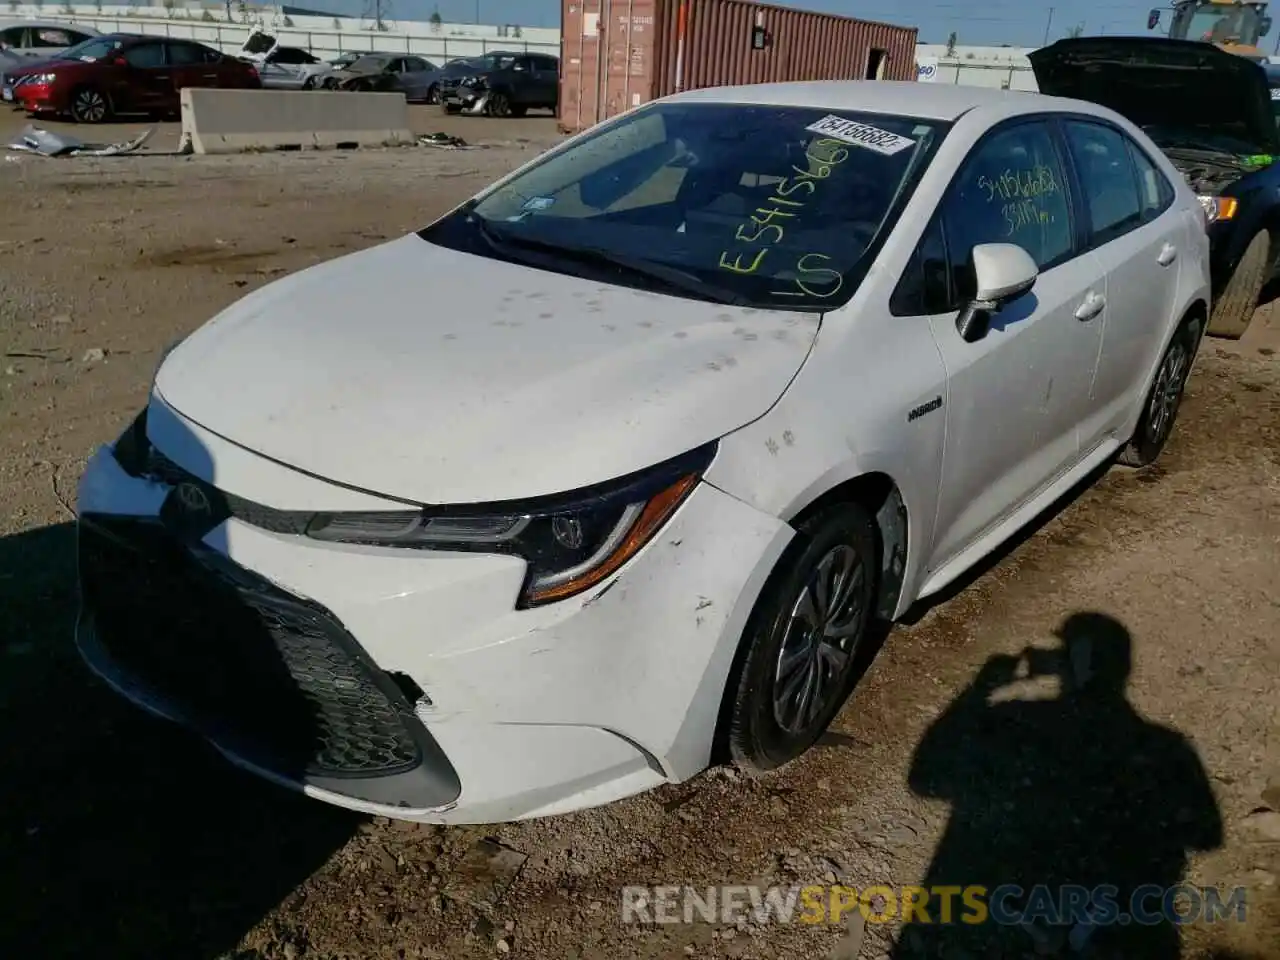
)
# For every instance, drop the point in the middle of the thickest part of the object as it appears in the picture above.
(122, 837)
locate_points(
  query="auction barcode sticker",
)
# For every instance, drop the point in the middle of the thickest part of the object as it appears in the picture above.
(861, 135)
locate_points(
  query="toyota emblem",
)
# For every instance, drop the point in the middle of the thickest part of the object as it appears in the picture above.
(194, 501)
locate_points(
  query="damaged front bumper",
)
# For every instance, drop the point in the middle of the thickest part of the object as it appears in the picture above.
(405, 682)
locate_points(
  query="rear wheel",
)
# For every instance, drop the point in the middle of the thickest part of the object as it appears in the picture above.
(1235, 305)
(89, 105)
(1161, 409)
(803, 639)
(433, 94)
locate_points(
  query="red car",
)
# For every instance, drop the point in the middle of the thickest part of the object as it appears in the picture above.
(121, 74)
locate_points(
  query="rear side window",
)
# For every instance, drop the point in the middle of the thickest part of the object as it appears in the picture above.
(1011, 189)
(145, 55)
(1107, 178)
(13, 37)
(46, 37)
(1155, 192)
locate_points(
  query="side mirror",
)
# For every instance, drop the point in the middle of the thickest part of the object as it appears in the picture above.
(1004, 272)
(1153, 19)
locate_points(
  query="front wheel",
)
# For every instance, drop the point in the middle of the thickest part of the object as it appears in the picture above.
(433, 94)
(330, 84)
(498, 105)
(1161, 409)
(89, 105)
(1239, 299)
(803, 639)
(309, 83)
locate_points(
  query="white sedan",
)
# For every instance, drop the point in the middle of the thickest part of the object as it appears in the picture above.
(608, 473)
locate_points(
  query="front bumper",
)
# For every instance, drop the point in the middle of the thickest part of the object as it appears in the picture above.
(404, 682)
(467, 99)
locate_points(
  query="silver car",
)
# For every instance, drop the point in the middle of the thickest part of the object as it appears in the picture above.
(25, 41)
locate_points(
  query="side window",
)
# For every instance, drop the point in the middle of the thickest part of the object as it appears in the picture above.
(523, 64)
(145, 55)
(185, 54)
(48, 37)
(1011, 189)
(1107, 178)
(13, 37)
(1155, 192)
(413, 65)
(210, 55)
(924, 289)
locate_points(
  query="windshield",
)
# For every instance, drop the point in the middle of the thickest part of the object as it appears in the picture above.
(90, 50)
(495, 61)
(1223, 23)
(370, 64)
(778, 207)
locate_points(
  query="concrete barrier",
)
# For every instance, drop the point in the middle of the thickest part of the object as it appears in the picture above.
(231, 121)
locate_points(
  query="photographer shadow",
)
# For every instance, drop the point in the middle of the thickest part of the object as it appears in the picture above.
(1075, 788)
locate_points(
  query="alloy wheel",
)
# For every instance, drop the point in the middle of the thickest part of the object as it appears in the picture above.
(1167, 393)
(89, 106)
(498, 105)
(822, 635)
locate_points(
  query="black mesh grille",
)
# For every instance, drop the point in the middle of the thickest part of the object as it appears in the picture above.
(272, 676)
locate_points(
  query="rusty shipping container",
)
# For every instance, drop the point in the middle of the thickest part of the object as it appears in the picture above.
(618, 54)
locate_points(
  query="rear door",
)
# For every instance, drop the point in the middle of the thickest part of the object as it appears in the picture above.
(1126, 204)
(547, 72)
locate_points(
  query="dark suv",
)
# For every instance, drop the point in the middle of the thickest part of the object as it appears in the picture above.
(501, 84)
(1210, 112)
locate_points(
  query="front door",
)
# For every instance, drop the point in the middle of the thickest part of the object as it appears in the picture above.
(1016, 396)
(145, 84)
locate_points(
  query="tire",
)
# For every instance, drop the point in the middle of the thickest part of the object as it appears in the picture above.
(433, 94)
(452, 108)
(309, 83)
(329, 84)
(498, 105)
(1239, 299)
(766, 724)
(1160, 411)
(89, 105)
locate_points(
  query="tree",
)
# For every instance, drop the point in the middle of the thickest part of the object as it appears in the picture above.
(951, 44)
(1076, 31)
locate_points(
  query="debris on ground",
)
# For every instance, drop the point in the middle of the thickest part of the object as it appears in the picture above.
(444, 141)
(48, 144)
(483, 875)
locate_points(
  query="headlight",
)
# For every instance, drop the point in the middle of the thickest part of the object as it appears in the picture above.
(571, 542)
(1218, 208)
(472, 81)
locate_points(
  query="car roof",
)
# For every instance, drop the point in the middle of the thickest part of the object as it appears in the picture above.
(49, 25)
(930, 101)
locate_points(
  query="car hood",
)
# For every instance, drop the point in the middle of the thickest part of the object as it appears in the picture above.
(415, 371)
(1160, 82)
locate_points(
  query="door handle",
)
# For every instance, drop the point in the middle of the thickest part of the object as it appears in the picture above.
(210, 76)
(1092, 306)
(162, 76)
(1168, 254)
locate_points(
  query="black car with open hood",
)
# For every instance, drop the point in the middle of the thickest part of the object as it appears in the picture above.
(1210, 112)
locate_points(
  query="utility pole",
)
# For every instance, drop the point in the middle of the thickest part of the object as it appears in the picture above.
(1047, 27)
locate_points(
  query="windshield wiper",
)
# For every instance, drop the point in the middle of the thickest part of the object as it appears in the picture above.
(672, 277)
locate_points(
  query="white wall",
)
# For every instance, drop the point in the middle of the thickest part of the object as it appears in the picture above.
(323, 36)
(972, 66)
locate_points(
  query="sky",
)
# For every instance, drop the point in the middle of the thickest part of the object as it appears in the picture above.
(978, 22)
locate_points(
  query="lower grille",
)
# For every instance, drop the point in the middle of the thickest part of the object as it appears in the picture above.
(271, 676)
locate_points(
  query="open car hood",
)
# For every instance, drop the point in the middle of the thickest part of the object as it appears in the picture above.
(1155, 81)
